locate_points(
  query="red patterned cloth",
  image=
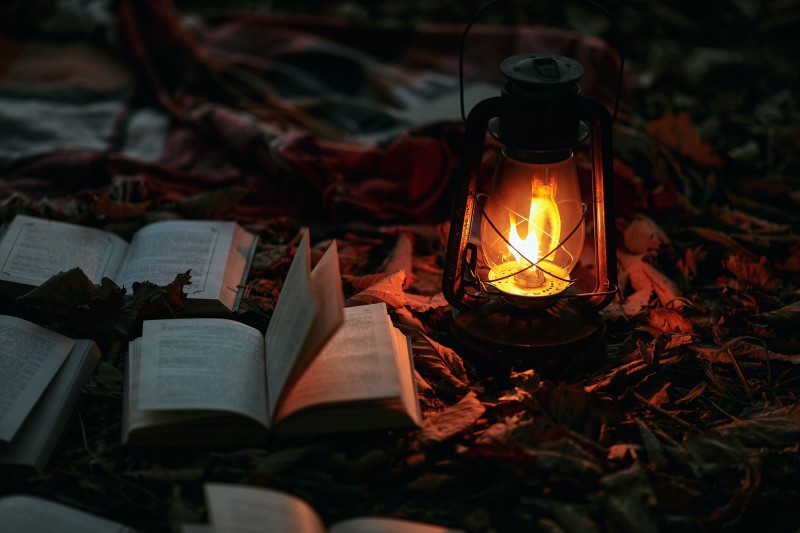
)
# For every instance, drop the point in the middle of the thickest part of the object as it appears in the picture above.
(314, 118)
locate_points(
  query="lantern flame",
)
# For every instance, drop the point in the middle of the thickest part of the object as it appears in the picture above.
(522, 248)
(526, 216)
(544, 227)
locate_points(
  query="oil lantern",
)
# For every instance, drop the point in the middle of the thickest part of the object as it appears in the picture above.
(516, 238)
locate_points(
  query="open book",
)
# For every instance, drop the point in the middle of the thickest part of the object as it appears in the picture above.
(217, 253)
(21, 513)
(319, 368)
(245, 509)
(41, 377)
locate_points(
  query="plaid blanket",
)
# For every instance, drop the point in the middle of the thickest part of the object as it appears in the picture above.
(302, 117)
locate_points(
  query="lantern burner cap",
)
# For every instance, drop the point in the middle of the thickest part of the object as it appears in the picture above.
(540, 108)
(541, 69)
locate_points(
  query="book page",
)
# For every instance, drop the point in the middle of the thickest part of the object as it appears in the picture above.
(30, 513)
(291, 321)
(161, 251)
(30, 356)
(237, 508)
(404, 360)
(37, 437)
(240, 257)
(369, 524)
(358, 363)
(134, 419)
(326, 284)
(202, 364)
(34, 249)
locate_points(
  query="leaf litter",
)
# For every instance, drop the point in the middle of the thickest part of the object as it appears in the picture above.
(690, 421)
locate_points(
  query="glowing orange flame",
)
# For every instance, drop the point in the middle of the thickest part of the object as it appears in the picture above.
(543, 232)
(527, 247)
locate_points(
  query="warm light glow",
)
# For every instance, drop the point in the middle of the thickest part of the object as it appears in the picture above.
(527, 247)
(543, 224)
(533, 206)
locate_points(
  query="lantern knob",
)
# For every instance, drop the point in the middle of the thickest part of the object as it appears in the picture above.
(541, 70)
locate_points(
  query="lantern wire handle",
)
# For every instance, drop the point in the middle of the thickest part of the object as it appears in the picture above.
(480, 11)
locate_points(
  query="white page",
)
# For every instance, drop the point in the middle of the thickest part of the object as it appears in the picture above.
(162, 250)
(291, 321)
(404, 362)
(34, 249)
(203, 363)
(26, 514)
(30, 356)
(357, 363)
(242, 509)
(42, 429)
(133, 419)
(326, 284)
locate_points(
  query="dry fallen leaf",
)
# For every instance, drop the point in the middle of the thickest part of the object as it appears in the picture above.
(678, 132)
(669, 321)
(660, 397)
(106, 206)
(723, 239)
(751, 223)
(637, 302)
(787, 317)
(453, 420)
(643, 234)
(388, 290)
(689, 262)
(666, 289)
(213, 204)
(777, 427)
(401, 257)
(438, 361)
(62, 291)
(359, 283)
(104, 313)
(741, 351)
(420, 303)
(758, 274)
(646, 278)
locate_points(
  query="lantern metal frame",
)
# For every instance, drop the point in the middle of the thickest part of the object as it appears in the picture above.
(540, 116)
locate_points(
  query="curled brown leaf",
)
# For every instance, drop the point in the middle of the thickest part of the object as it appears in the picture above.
(643, 234)
(757, 274)
(453, 420)
(438, 361)
(669, 321)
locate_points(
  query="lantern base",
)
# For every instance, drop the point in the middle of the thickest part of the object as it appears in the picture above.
(558, 340)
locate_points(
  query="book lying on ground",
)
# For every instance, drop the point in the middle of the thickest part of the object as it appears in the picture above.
(24, 514)
(42, 374)
(218, 255)
(319, 368)
(248, 509)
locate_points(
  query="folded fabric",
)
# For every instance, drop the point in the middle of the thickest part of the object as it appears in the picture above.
(313, 117)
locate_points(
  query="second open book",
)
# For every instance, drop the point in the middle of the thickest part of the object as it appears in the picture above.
(319, 368)
(250, 509)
